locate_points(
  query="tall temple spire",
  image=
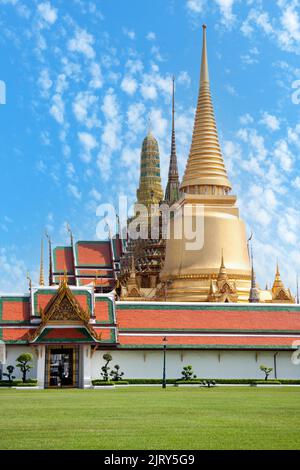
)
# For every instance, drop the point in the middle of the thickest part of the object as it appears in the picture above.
(150, 189)
(254, 294)
(172, 191)
(42, 281)
(205, 171)
(50, 260)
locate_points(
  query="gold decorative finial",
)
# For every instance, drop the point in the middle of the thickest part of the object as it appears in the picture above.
(205, 171)
(65, 278)
(71, 234)
(29, 279)
(42, 281)
(204, 64)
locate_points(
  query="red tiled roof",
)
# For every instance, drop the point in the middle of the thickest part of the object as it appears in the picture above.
(213, 318)
(63, 259)
(16, 310)
(93, 254)
(207, 340)
(16, 334)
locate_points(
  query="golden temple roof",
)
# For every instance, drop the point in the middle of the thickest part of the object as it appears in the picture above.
(205, 166)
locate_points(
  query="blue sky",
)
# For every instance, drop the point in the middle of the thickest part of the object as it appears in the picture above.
(82, 77)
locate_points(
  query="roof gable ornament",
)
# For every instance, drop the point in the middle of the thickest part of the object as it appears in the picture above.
(64, 308)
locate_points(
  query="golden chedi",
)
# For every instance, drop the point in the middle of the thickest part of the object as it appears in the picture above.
(192, 275)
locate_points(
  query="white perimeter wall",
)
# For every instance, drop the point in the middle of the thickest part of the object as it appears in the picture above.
(12, 352)
(206, 364)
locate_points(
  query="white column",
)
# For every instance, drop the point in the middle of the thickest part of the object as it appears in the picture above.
(87, 366)
(41, 355)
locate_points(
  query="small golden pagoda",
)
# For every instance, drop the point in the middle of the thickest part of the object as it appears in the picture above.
(279, 293)
(190, 275)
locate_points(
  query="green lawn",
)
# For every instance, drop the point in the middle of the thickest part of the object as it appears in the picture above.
(151, 418)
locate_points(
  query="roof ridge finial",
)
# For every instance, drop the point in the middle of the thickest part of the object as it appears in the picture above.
(172, 194)
(204, 62)
(149, 124)
(50, 259)
(42, 281)
(71, 234)
(254, 294)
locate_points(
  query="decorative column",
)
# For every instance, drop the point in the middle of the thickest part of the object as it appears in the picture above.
(41, 359)
(86, 366)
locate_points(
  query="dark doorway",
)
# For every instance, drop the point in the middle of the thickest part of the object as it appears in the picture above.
(61, 371)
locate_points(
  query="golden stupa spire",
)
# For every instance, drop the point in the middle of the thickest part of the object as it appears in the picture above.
(278, 281)
(205, 171)
(42, 280)
(222, 276)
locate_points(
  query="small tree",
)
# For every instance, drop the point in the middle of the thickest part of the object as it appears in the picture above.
(23, 364)
(266, 370)
(116, 375)
(108, 358)
(187, 373)
(8, 374)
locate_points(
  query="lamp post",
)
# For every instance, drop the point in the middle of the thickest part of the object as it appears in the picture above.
(164, 366)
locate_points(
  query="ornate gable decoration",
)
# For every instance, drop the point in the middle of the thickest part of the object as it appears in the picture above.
(64, 307)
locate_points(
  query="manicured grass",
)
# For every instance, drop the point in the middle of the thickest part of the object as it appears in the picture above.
(151, 418)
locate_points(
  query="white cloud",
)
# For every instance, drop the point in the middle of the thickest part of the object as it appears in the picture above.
(47, 12)
(226, 11)
(111, 137)
(246, 119)
(270, 121)
(135, 118)
(129, 85)
(129, 33)
(151, 36)
(148, 92)
(97, 77)
(195, 6)
(74, 191)
(82, 43)
(88, 143)
(283, 154)
(85, 109)
(57, 109)
(231, 90)
(94, 193)
(45, 82)
(183, 78)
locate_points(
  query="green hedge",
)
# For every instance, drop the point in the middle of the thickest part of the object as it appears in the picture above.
(266, 382)
(18, 383)
(218, 381)
(102, 383)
